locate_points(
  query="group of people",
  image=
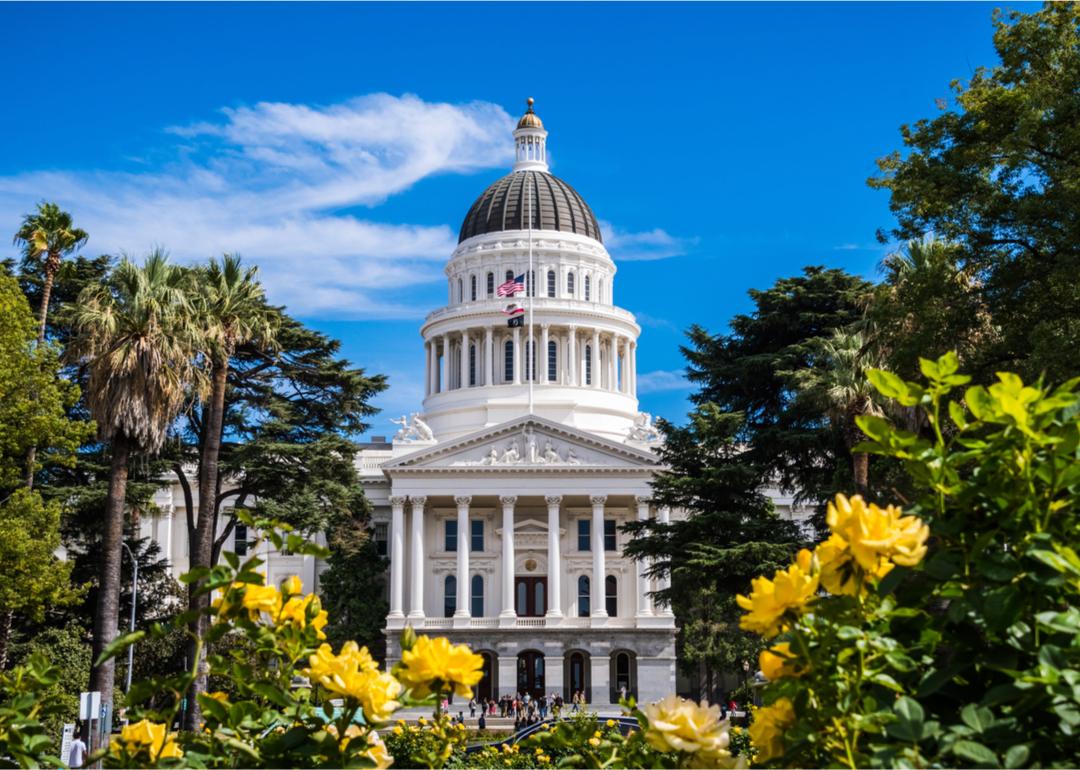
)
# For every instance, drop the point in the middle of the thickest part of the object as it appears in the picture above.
(524, 708)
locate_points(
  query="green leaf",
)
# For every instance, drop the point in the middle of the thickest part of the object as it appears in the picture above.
(978, 719)
(909, 720)
(959, 416)
(1017, 756)
(976, 752)
(118, 644)
(887, 383)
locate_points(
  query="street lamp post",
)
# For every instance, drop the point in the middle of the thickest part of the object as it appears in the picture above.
(134, 598)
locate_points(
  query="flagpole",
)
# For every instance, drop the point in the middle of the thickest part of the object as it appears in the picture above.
(530, 290)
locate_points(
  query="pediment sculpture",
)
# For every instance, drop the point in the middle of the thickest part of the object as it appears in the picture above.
(643, 431)
(527, 452)
(413, 429)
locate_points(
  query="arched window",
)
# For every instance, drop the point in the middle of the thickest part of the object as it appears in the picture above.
(509, 275)
(551, 283)
(587, 284)
(623, 675)
(449, 596)
(508, 361)
(583, 596)
(491, 284)
(553, 360)
(477, 603)
(588, 364)
(472, 288)
(599, 289)
(570, 284)
(472, 365)
(530, 283)
(460, 291)
(611, 596)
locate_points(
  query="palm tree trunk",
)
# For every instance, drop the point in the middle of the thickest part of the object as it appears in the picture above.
(51, 268)
(202, 548)
(107, 614)
(860, 466)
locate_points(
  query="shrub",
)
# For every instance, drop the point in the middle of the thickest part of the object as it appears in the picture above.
(949, 636)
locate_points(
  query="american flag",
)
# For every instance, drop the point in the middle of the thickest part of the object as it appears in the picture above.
(511, 287)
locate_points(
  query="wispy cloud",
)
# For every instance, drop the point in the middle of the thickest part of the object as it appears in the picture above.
(645, 319)
(662, 380)
(280, 183)
(652, 244)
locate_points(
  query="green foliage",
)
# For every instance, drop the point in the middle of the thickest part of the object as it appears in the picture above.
(351, 587)
(996, 175)
(27, 706)
(66, 650)
(971, 658)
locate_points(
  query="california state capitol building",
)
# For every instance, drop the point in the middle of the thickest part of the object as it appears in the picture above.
(500, 504)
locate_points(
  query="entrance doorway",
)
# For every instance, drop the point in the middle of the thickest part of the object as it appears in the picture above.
(489, 684)
(530, 673)
(530, 596)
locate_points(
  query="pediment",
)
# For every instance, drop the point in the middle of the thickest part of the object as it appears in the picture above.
(527, 444)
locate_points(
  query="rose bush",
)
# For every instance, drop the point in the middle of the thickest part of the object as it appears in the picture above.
(948, 635)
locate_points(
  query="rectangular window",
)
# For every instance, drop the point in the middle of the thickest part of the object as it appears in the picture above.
(477, 534)
(382, 538)
(491, 284)
(584, 535)
(553, 359)
(450, 540)
(609, 535)
(472, 366)
(472, 288)
(240, 539)
(551, 283)
(508, 362)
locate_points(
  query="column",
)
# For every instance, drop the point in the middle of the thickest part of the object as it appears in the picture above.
(633, 369)
(665, 582)
(397, 557)
(542, 354)
(445, 383)
(572, 364)
(489, 358)
(416, 560)
(427, 368)
(465, 359)
(599, 570)
(612, 354)
(644, 606)
(595, 363)
(508, 611)
(464, 541)
(624, 361)
(517, 355)
(554, 587)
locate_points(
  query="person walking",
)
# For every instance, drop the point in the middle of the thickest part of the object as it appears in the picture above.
(472, 707)
(77, 754)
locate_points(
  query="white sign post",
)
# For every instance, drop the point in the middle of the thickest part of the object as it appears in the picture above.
(65, 742)
(89, 705)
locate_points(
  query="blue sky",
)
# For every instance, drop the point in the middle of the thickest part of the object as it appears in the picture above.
(340, 145)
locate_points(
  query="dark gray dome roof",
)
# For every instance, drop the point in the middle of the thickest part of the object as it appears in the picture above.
(505, 206)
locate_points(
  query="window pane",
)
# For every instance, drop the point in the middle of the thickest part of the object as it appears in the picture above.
(240, 540)
(538, 597)
(551, 283)
(477, 534)
(611, 596)
(508, 363)
(450, 540)
(449, 596)
(477, 608)
(472, 365)
(382, 536)
(522, 597)
(553, 359)
(570, 284)
(491, 284)
(583, 596)
(472, 287)
(609, 534)
(587, 288)
(583, 535)
(588, 364)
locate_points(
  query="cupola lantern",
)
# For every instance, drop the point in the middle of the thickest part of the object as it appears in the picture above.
(530, 140)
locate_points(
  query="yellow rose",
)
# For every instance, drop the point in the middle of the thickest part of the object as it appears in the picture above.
(771, 601)
(435, 665)
(151, 737)
(260, 599)
(295, 613)
(291, 586)
(768, 728)
(778, 662)
(354, 674)
(677, 724)
(377, 752)
(870, 539)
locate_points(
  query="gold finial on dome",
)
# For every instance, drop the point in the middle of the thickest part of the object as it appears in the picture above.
(530, 119)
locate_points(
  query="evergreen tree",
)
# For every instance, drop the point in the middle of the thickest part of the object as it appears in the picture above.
(353, 586)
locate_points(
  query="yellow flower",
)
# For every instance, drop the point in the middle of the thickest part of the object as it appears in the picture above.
(354, 674)
(295, 613)
(869, 539)
(771, 601)
(610, 723)
(594, 741)
(778, 662)
(291, 586)
(260, 599)
(435, 665)
(377, 752)
(151, 737)
(677, 724)
(768, 728)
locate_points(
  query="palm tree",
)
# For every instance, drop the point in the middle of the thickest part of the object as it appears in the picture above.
(135, 335)
(838, 379)
(232, 311)
(48, 233)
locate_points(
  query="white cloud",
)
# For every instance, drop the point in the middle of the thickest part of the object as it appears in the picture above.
(662, 380)
(625, 246)
(275, 181)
